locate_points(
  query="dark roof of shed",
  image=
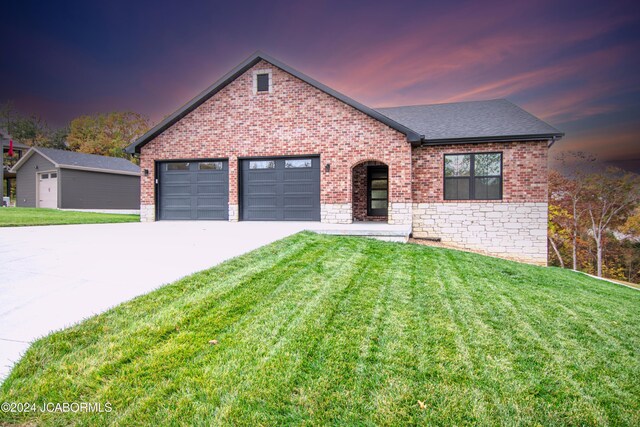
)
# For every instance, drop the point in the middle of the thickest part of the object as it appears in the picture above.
(496, 119)
(72, 159)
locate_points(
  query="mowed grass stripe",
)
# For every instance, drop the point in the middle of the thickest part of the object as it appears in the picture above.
(209, 318)
(325, 330)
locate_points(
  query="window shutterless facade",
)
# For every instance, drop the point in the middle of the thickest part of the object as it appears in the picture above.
(473, 176)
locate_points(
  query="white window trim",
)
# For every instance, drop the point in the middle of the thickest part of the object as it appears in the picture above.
(255, 80)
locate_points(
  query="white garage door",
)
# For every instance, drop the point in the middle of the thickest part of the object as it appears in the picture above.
(48, 190)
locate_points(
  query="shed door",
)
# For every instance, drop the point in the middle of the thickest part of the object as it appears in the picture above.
(194, 190)
(48, 190)
(281, 189)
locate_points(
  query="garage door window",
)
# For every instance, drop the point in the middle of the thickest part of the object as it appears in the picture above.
(54, 175)
(45, 176)
(213, 166)
(262, 164)
(179, 166)
(297, 163)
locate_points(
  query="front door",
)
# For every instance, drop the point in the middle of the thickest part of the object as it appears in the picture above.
(377, 190)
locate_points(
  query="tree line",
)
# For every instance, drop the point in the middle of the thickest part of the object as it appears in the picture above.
(594, 218)
(106, 134)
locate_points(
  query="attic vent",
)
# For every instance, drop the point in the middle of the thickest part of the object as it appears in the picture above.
(262, 81)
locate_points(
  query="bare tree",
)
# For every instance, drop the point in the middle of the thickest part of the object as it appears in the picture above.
(569, 188)
(609, 199)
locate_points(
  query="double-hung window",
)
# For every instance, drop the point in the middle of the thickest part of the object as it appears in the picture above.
(476, 176)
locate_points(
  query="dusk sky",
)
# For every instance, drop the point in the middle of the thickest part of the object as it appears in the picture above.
(575, 64)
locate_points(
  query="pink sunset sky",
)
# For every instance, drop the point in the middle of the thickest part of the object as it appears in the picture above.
(575, 64)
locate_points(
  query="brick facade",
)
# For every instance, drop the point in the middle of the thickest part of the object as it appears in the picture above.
(524, 170)
(295, 118)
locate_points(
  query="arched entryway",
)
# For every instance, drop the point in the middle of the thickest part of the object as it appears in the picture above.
(370, 191)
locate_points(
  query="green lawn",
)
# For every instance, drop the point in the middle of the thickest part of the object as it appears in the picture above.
(16, 217)
(325, 330)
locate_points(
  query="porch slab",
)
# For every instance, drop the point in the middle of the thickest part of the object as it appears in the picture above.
(376, 230)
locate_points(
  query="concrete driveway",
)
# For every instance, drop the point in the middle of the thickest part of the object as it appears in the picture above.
(55, 276)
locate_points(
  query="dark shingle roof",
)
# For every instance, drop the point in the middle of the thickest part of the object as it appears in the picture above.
(476, 120)
(71, 158)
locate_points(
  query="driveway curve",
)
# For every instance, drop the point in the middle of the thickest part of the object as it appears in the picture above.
(54, 276)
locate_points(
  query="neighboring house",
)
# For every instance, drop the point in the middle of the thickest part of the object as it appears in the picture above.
(266, 142)
(6, 176)
(49, 178)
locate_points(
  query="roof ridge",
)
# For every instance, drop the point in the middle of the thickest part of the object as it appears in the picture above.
(79, 153)
(446, 103)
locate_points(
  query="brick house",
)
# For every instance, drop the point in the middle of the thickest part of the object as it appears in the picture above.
(266, 142)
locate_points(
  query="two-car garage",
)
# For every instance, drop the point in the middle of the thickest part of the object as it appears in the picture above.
(270, 189)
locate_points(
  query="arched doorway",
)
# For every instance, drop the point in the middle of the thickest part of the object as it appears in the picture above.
(370, 191)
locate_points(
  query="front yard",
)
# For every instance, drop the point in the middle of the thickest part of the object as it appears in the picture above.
(16, 217)
(324, 330)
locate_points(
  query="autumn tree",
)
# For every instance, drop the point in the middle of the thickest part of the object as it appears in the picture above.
(106, 134)
(567, 190)
(559, 230)
(31, 129)
(610, 197)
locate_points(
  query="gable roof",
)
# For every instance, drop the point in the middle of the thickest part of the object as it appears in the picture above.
(239, 70)
(90, 162)
(475, 121)
(460, 122)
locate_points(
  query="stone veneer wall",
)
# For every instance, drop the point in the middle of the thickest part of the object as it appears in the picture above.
(511, 230)
(335, 213)
(147, 213)
(400, 213)
(514, 227)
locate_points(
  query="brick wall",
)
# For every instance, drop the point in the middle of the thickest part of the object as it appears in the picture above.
(293, 119)
(359, 197)
(524, 174)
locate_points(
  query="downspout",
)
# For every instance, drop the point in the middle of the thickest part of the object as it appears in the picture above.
(553, 141)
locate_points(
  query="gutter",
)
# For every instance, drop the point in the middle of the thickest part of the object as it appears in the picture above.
(502, 138)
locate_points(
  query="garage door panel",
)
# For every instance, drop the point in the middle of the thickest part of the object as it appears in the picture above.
(298, 202)
(260, 175)
(289, 190)
(262, 202)
(211, 189)
(176, 190)
(194, 192)
(172, 177)
(210, 177)
(299, 188)
(298, 175)
(211, 201)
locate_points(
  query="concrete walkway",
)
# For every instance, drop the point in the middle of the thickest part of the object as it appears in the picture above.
(55, 276)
